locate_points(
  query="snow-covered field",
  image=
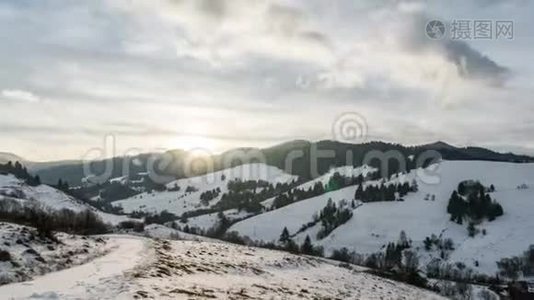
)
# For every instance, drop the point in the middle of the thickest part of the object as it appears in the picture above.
(178, 202)
(50, 197)
(24, 255)
(142, 268)
(373, 225)
(203, 268)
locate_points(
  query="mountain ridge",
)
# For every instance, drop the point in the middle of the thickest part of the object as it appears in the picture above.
(72, 171)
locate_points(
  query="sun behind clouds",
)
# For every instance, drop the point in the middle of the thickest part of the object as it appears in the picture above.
(194, 142)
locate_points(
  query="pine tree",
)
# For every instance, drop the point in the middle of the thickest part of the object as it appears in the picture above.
(284, 237)
(307, 246)
(471, 229)
(291, 246)
(461, 189)
(428, 243)
(403, 240)
(358, 195)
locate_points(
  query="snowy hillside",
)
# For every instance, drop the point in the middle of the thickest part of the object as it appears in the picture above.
(142, 268)
(422, 214)
(269, 225)
(347, 171)
(179, 199)
(207, 221)
(48, 196)
(24, 255)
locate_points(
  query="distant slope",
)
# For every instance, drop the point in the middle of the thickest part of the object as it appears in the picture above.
(6, 157)
(11, 187)
(273, 156)
(181, 201)
(375, 224)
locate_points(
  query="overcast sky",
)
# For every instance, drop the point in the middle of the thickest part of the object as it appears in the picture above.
(223, 74)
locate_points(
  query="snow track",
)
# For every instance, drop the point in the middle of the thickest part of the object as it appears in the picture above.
(94, 279)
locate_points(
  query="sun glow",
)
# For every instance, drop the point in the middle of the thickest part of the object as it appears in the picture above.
(194, 142)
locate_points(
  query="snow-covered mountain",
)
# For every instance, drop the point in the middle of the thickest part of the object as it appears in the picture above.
(420, 215)
(373, 225)
(420, 212)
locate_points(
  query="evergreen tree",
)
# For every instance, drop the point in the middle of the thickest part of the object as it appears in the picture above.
(461, 189)
(358, 195)
(428, 243)
(284, 237)
(403, 240)
(291, 246)
(471, 229)
(307, 246)
(456, 207)
(390, 193)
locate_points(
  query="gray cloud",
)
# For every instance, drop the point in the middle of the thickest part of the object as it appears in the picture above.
(253, 73)
(470, 62)
(473, 64)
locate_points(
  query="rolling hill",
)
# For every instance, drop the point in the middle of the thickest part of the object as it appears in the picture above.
(72, 171)
(374, 225)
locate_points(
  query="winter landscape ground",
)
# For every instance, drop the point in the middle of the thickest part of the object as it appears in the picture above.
(172, 255)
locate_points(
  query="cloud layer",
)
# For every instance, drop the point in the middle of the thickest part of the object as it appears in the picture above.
(255, 73)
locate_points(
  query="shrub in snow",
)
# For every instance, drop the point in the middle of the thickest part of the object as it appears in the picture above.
(132, 225)
(5, 256)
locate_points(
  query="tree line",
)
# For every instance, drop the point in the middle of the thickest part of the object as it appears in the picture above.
(335, 182)
(384, 192)
(46, 221)
(20, 172)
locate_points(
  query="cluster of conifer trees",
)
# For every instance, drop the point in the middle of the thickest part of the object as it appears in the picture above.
(21, 172)
(472, 201)
(336, 182)
(383, 192)
(332, 216)
(207, 196)
(248, 195)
